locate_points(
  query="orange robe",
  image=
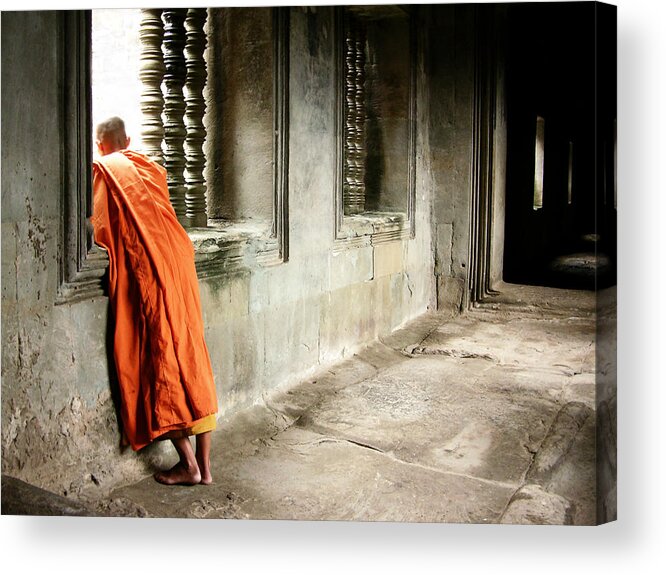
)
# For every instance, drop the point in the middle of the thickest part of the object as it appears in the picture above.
(164, 371)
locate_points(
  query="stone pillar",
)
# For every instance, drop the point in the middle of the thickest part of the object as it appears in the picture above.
(151, 74)
(174, 108)
(195, 196)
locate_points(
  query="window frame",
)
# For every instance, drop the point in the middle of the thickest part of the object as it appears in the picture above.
(82, 264)
(372, 226)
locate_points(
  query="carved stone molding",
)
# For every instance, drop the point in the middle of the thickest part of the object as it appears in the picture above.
(281, 136)
(481, 216)
(81, 263)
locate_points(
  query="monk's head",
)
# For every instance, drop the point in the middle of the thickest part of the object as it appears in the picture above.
(111, 136)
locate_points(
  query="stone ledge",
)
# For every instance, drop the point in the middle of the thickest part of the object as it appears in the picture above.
(229, 246)
(219, 248)
(371, 228)
(88, 281)
(21, 498)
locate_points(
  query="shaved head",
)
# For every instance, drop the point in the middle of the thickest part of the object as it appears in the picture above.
(111, 135)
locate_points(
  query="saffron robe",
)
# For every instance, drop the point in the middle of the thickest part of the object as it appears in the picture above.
(164, 371)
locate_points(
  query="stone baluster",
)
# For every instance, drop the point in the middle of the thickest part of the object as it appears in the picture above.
(349, 115)
(354, 129)
(151, 74)
(359, 118)
(174, 108)
(195, 196)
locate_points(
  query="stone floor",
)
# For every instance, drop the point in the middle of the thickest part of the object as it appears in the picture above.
(487, 417)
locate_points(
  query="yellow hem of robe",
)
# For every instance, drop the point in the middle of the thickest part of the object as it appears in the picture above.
(203, 425)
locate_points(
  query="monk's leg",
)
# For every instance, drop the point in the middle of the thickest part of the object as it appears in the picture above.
(203, 456)
(186, 471)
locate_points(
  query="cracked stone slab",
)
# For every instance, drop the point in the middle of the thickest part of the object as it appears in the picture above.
(563, 345)
(465, 417)
(302, 475)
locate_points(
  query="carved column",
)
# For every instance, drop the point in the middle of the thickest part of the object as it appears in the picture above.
(151, 74)
(359, 119)
(195, 196)
(174, 107)
(349, 115)
(354, 129)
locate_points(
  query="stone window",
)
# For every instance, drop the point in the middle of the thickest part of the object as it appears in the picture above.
(570, 176)
(615, 164)
(156, 62)
(537, 203)
(376, 122)
(148, 67)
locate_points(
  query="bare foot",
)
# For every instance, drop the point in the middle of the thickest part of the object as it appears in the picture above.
(179, 474)
(206, 477)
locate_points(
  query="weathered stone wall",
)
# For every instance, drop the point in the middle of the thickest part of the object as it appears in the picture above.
(265, 326)
(58, 417)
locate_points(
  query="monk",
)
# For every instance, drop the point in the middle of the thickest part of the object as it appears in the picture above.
(166, 380)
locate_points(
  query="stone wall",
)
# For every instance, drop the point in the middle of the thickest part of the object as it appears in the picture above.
(265, 326)
(240, 114)
(451, 84)
(57, 409)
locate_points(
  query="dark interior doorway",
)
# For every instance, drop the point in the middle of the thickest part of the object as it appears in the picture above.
(561, 131)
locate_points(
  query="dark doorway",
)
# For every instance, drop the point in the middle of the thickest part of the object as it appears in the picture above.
(561, 110)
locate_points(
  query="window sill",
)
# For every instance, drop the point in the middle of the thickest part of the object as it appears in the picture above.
(372, 228)
(220, 248)
(223, 247)
(87, 282)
